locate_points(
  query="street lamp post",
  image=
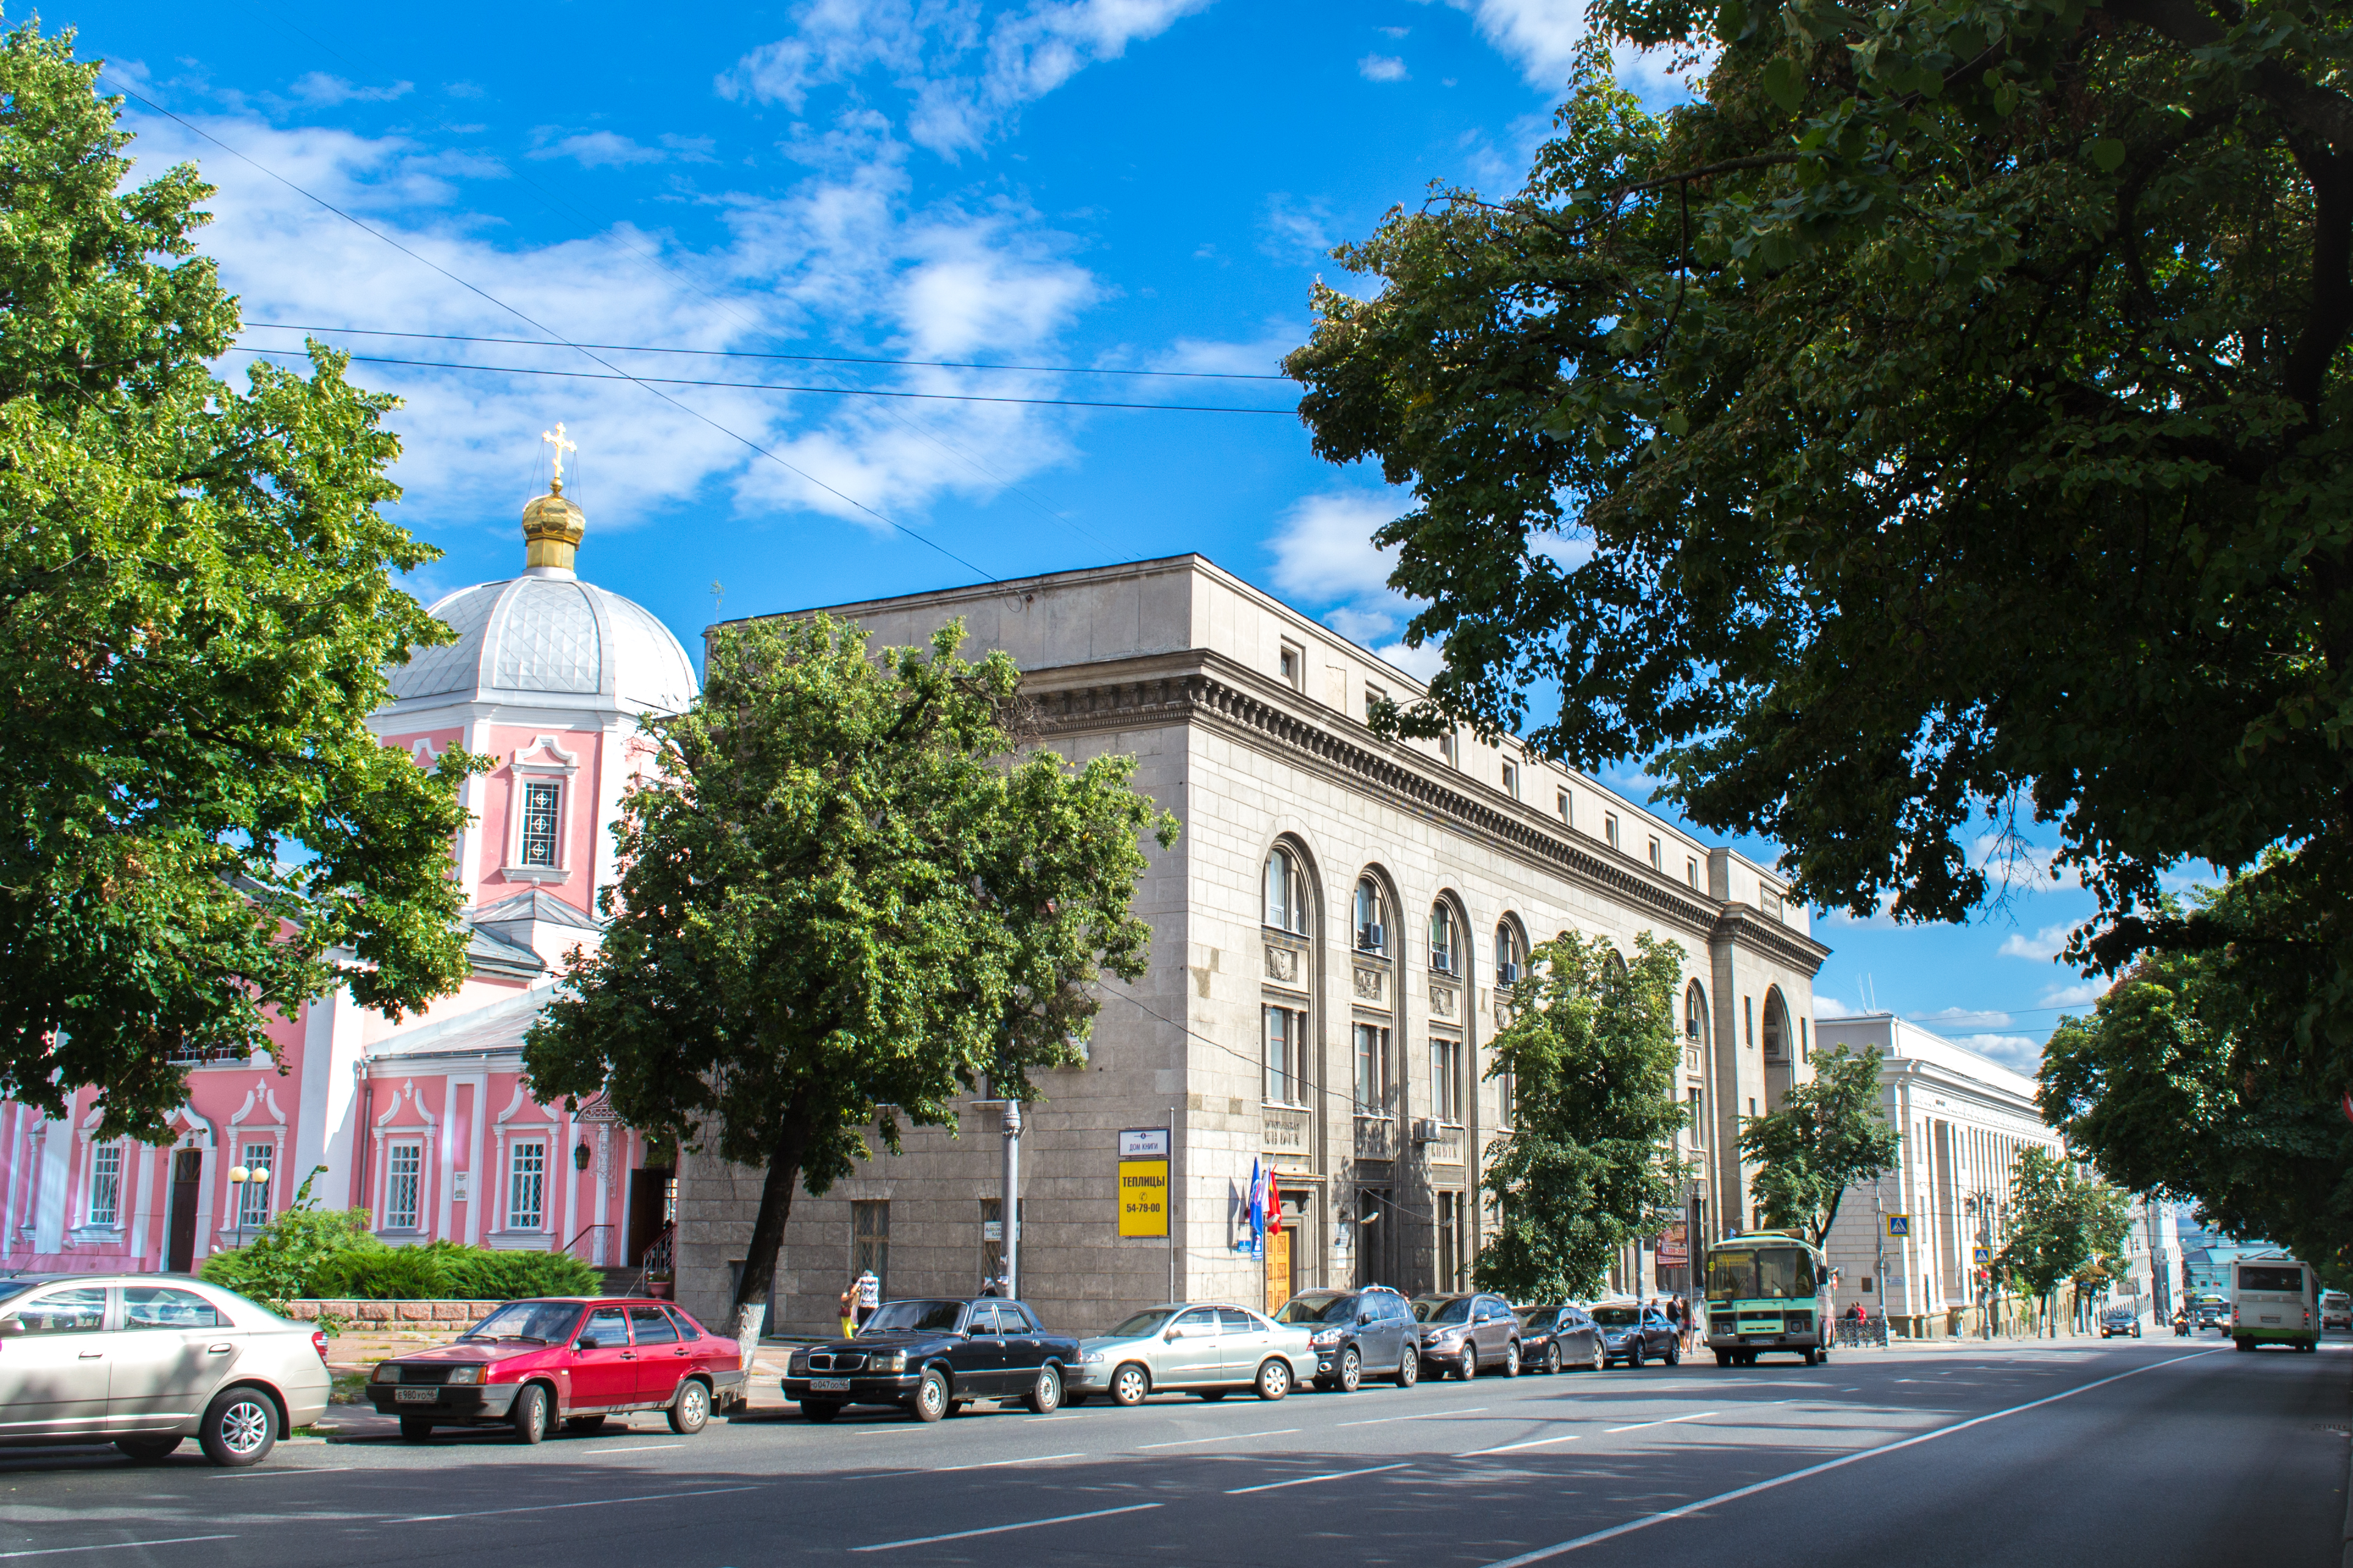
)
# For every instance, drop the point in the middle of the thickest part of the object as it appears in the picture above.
(239, 1177)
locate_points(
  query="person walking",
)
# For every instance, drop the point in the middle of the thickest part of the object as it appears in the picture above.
(849, 1319)
(868, 1291)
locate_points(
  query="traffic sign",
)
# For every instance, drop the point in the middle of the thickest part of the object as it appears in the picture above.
(1899, 1225)
(1983, 1255)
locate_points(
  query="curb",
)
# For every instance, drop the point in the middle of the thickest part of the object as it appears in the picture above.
(2347, 1557)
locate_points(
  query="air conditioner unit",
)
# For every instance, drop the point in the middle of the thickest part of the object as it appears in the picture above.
(1425, 1129)
(1507, 975)
(1371, 938)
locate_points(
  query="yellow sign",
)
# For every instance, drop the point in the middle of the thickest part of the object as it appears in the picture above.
(1143, 1182)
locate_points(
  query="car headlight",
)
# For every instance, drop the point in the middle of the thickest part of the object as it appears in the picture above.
(1327, 1337)
(465, 1375)
(798, 1366)
(388, 1372)
(887, 1361)
(1093, 1357)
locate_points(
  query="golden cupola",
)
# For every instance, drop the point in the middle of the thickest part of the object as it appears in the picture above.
(552, 525)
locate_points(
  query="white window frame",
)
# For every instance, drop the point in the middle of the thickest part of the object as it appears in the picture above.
(1374, 698)
(1609, 828)
(1283, 1038)
(1451, 951)
(252, 1198)
(1561, 800)
(527, 852)
(1512, 780)
(515, 1174)
(105, 1177)
(415, 1177)
(1292, 919)
(1691, 870)
(1657, 855)
(1369, 1043)
(541, 762)
(1369, 914)
(1446, 1080)
(1291, 665)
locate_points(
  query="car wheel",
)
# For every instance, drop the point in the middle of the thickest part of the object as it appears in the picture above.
(147, 1450)
(1812, 1356)
(1552, 1358)
(1045, 1396)
(1724, 1358)
(932, 1399)
(1600, 1354)
(1675, 1354)
(533, 1413)
(1351, 1375)
(1408, 1371)
(415, 1428)
(1511, 1358)
(1129, 1385)
(689, 1411)
(583, 1424)
(1634, 1354)
(1273, 1379)
(241, 1428)
(819, 1410)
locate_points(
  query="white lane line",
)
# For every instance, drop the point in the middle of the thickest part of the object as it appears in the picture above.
(113, 1545)
(1531, 1443)
(284, 1470)
(639, 1449)
(1648, 1520)
(1228, 1438)
(1310, 1480)
(551, 1506)
(993, 1463)
(1425, 1416)
(1001, 1528)
(1695, 1415)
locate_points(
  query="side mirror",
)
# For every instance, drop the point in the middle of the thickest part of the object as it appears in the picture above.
(1363, 1318)
(586, 1342)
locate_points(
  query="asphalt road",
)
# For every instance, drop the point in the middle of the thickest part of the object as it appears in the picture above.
(2139, 1453)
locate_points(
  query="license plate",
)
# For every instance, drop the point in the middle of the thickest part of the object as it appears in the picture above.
(415, 1395)
(828, 1385)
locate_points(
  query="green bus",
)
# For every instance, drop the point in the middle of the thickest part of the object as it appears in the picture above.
(1767, 1291)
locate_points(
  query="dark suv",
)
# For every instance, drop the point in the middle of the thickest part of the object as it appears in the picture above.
(1467, 1332)
(1356, 1330)
(933, 1357)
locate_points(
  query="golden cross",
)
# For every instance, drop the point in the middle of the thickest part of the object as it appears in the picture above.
(555, 439)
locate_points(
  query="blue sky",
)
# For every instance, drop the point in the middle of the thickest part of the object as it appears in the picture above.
(1097, 185)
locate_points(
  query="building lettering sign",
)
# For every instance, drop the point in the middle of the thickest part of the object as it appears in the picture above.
(1143, 1182)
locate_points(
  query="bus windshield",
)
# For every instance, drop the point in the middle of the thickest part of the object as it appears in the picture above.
(1760, 1274)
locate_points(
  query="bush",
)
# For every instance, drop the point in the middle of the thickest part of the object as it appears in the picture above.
(284, 1256)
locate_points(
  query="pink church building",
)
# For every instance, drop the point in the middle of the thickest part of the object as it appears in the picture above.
(427, 1124)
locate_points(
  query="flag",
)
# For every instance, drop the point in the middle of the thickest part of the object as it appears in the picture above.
(1257, 1209)
(1273, 1205)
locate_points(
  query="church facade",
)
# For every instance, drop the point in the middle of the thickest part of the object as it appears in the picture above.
(427, 1124)
(1333, 935)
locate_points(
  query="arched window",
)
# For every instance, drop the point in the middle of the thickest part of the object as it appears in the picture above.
(1441, 938)
(1776, 1020)
(1694, 1013)
(1372, 924)
(1511, 952)
(1286, 893)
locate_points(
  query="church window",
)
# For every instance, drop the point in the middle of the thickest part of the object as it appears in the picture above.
(526, 1184)
(402, 1184)
(540, 819)
(106, 1184)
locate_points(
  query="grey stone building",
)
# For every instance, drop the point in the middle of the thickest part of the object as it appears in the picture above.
(1328, 939)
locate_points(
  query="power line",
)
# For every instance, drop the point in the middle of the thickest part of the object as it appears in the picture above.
(617, 373)
(811, 359)
(550, 332)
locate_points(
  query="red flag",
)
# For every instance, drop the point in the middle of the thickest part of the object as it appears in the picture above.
(1273, 1206)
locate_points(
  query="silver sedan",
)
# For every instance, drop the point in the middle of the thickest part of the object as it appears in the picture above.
(1209, 1348)
(146, 1361)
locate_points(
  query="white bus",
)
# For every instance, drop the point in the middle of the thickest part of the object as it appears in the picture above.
(2275, 1299)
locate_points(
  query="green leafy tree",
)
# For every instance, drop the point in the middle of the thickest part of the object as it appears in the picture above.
(1941, 419)
(1828, 1134)
(196, 607)
(2062, 1223)
(844, 901)
(1589, 1163)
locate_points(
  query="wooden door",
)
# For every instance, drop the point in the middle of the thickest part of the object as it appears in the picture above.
(1278, 1270)
(188, 1183)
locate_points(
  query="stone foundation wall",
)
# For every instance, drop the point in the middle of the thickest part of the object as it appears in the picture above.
(364, 1313)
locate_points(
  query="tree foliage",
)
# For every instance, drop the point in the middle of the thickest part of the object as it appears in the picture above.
(1828, 1134)
(1589, 1163)
(196, 607)
(2061, 1224)
(1941, 419)
(842, 902)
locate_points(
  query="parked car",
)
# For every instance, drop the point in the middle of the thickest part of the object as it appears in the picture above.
(1631, 1333)
(2336, 1309)
(574, 1359)
(146, 1361)
(1195, 1348)
(1468, 1331)
(2119, 1320)
(1552, 1338)
(933, 1357)
(1356, 1330)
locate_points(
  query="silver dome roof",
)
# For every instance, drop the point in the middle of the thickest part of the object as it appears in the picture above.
(548, 640)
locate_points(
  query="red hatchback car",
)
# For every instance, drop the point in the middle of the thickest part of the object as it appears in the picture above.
(572, 1359)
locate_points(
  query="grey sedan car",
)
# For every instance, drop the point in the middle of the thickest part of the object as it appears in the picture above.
(146, 1361)
(1208, 1349)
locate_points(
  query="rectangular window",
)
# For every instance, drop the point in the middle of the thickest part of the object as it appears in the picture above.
(1449, 748)
(1805, 1041)
(1691, 872)
(526, 1184)
(1449, 1241)
(1749, 1019)
(1293, 665)
(1562, 801)
(1372, 1050)
(105, 1183)
(1698, 1109)
(253, 1198)
(1512, 780)
(1507, 1094)
(1446, 1080)
(1657, 857)
(1610, 829)
(1374, 698)
(540, 820)
(404, 1179)
(1286, 1042)
(870, 1240)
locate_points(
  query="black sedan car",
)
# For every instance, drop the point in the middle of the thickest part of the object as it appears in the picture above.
(1552, 1338)
(933, 1358)
(1632, 1333)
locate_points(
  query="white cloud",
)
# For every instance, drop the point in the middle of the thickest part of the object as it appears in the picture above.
(325, 91)
(1297, 227)
(1827, 1006)
(1541, 37)
(2045, 944)
(2017, 1052)
(966, 74)
(2080, 995)
(1324, 548)
(1963, 1019)
(1381, 68)
(606, 149)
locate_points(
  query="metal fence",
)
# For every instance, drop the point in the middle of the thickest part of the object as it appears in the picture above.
(1855, 1334)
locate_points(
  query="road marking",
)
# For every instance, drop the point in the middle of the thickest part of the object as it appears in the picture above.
(1425, 1416)
(993, 1464)
(1309, 1480)
(640, 1448)
(1228, 1438)
(551, 1506)
(1532, 1443)
(1001, 1528)
(284, 1470)
(1695, 1415)
(1544, 1552)
(112, 1545)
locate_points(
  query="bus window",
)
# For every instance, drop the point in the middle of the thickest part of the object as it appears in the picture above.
(1766, 1274)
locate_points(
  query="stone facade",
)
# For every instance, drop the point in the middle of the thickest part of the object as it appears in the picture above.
(1248, 721)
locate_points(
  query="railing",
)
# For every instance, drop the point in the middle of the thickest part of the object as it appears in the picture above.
(184, 1055)
(1375, 1136)
(1286, 1130)
(587, 1230)
(1857, 1333)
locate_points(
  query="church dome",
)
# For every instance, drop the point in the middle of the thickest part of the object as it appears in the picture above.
(546, 639)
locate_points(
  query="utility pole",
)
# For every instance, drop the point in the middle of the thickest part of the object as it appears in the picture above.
(1173, 1190)
(1879, 1226)
(1008, 1203)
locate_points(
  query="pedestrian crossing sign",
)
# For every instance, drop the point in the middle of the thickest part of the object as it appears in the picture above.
(1984, 1254)
(1899, 1225)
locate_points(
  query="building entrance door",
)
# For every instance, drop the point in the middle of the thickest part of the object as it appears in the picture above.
(187, 1185)
(1281, 1270)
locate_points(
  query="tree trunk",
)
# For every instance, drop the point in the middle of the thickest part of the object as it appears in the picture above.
(752, 1287)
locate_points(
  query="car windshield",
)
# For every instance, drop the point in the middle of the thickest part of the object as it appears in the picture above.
(1318, 1309)
(1760, 1274)
(914, 1318)
(544, 1322)
(1536, 1317)
(16, 1287)
(1617, 1317)
(1147, 1322)
(1442, 1308)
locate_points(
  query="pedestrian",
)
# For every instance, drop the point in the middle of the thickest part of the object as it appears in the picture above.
(870, 1296)
(848, 1322)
